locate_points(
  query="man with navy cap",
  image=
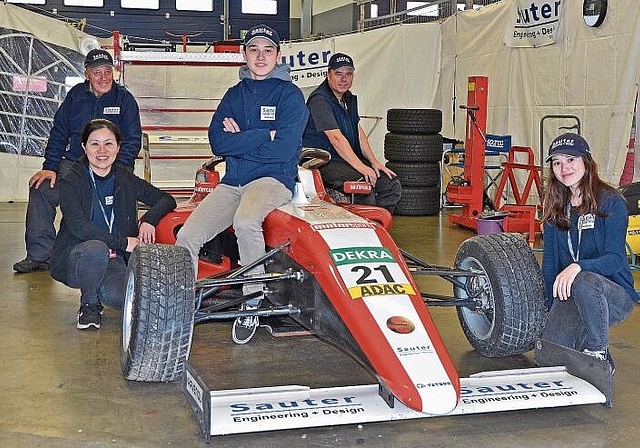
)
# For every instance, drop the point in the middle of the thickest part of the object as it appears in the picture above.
(335, 126)
(98, 97)
(257, 128)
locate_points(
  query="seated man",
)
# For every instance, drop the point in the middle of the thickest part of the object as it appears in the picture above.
(258, 128)
(334, 125)
(98, 97)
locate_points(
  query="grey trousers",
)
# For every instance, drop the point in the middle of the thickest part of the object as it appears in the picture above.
(40, 232)
(244, 208)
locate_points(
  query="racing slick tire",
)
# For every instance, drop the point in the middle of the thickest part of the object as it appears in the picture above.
(414, 121)
(413, 148)
(416, 174)
(158, 313)
(511, 315)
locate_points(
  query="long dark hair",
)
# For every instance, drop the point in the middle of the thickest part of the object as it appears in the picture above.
(100, 123)
(558, 195)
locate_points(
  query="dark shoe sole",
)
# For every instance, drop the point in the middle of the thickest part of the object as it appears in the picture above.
(25, 270)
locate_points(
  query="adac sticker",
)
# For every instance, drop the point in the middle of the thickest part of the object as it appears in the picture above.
(380, 289)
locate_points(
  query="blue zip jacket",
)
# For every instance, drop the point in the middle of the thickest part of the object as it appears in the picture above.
(347, 121)
(78, 108)
(259, 106)
(602, 249)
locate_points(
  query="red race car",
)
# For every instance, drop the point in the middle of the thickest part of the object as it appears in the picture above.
(334, 269)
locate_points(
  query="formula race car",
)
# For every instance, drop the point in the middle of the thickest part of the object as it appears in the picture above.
(334, 269)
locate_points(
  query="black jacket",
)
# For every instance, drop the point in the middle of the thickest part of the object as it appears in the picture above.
(76, 203)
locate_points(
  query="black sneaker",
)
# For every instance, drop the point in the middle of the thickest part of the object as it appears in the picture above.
(244, 327)
(28, 265)
(89, 316)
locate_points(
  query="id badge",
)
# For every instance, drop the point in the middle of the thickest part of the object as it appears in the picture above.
(112, 253)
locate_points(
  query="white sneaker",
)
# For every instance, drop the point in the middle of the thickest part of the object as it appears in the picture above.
(599, 354)
(245, 327)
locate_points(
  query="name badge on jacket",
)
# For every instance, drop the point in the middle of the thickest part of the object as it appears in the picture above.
(115, 110)
(588, 222)
(267, 113)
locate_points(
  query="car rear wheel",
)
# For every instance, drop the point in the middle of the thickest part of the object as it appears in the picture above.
(158, 313)
(510, 313)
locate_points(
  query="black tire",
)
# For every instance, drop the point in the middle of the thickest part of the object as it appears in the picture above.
(418, 202)
(414, 121)
(416, 174)
(512, 314)
(158, 314)
(413, 148)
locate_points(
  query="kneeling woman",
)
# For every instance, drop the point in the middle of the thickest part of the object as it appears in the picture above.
(99, 227)
(588, 280)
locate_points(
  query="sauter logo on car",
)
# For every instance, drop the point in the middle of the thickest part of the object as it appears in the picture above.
(307, 408)
(413, 350)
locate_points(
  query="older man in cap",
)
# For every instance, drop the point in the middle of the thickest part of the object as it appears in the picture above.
(335, 126)
(98, 97)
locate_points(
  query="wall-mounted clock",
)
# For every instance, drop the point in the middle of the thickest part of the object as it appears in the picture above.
(594, 12)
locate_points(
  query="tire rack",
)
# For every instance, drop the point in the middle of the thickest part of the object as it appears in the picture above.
(154, 58)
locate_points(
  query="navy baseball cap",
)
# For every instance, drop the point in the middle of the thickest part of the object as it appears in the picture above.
(263, 31)
(569, 145)
(339, 60)
(97, 57)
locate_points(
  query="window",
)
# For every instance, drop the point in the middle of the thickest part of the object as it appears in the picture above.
(260, 7)
(461, 7)
(95, 3)
(32, 2)
(140, 4)
(431, 11)
(194, 5)
(374, 10)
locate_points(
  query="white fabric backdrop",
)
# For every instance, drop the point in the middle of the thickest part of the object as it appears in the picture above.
(591, 72)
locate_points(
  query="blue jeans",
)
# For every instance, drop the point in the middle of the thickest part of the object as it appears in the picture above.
(582, 321)
(100, 278)
(386, 192)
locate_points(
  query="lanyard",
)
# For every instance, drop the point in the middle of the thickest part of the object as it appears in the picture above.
(109, 222)
(574, 256)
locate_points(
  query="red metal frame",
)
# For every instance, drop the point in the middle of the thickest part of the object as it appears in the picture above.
(471, 192)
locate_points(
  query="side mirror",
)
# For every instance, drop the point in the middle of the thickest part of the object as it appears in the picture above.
(353, 187)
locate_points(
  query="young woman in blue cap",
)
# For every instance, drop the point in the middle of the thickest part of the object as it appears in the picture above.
(587, 277)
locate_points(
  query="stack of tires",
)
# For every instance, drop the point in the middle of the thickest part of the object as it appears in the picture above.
(413, 149)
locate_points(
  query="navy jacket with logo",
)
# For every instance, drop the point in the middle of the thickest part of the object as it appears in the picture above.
(78, 108)
(602, 248)
(347, 121)
(259, 106)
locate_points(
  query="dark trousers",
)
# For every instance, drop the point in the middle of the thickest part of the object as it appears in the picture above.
(582, 321)
(100, 278)
(386, 192)
(40, 232)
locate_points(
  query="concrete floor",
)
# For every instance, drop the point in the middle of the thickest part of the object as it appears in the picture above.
(61, 387)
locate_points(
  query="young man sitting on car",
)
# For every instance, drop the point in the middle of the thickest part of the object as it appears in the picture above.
(258, 128)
